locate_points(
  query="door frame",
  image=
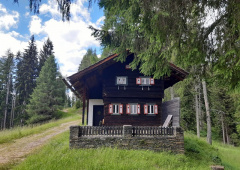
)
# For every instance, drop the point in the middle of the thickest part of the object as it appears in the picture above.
(93, 102)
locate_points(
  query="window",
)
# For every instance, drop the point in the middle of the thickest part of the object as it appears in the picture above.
(150, 109)
(145, 81)
(133, 109)
(115, 109)
(121, 81)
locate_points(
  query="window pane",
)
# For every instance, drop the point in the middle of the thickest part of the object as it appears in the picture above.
(147, 81)
(134, 109)
(115, 108)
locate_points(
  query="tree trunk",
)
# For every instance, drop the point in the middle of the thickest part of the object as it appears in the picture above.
(197, 111)
(200, 108)
(228, 139)
(12, 111)
(223, 129)
(6, 107)
(209, 129)
(171, 93)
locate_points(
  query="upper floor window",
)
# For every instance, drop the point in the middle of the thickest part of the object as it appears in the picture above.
(121, 80)
(145, 81)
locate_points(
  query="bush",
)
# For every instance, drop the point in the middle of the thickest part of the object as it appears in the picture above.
(77, 104)
(38, 119)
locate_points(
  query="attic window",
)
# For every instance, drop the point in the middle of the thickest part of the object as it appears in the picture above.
(121, 80)
(145, 81)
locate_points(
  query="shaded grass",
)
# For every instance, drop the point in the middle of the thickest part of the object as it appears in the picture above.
(220, 154)
(57, 155)
(19, 132)
(229, 155)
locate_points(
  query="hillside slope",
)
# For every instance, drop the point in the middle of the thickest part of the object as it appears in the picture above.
(198, 155)
(21, 147)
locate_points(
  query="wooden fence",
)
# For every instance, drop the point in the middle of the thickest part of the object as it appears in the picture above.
(119, 131)
(101, 130)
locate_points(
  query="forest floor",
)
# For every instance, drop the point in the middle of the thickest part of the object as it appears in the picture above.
(16, 151)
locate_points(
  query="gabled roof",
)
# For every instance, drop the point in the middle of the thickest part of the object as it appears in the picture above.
(77, 82)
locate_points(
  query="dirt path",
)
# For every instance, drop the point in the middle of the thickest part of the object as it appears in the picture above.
(20, 148)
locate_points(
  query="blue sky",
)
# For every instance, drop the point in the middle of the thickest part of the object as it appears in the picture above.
(70, 39)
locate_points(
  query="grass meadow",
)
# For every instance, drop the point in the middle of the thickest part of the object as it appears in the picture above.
(18, 132)
(56, 155)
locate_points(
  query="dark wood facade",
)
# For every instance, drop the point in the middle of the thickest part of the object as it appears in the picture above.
(99, 82)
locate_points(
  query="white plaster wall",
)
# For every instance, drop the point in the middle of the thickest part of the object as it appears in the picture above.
(90, 109)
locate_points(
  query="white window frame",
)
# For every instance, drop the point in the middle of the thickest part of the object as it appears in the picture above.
(134, 108)
(145, 81)
(151, 109)
(124, 79)
(116, 108)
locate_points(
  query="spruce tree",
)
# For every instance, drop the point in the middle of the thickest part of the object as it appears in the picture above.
(48, 94)
(88, 59)
(156, 31)
(27, 72)
(45, 52)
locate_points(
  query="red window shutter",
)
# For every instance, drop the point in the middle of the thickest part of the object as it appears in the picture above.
(155, 109)
(120, 109)
(138, 109)
(138, 81)
(145, 109)
(128, 109)
(152, 81)
(110, 109)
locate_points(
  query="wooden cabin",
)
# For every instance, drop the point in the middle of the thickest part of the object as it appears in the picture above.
(115, 95)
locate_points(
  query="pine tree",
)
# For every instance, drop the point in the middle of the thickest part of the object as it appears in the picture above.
(48, 94)
(88, 59)
(45, 52)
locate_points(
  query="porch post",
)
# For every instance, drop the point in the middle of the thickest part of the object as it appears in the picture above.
(83, 111)
(87, 109)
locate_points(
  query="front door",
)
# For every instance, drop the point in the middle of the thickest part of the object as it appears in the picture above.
(97, 114)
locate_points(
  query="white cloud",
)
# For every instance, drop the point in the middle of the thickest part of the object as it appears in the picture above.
(70, 39)
(8, 19)
(50, 8)
(100, 21)
(35, 26)
(8, 41)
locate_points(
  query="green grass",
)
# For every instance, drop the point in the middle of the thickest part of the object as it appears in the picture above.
(19, 132)
(199, 155)
(229, 155)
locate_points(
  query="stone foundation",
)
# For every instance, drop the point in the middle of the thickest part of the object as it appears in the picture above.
(171, 143)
